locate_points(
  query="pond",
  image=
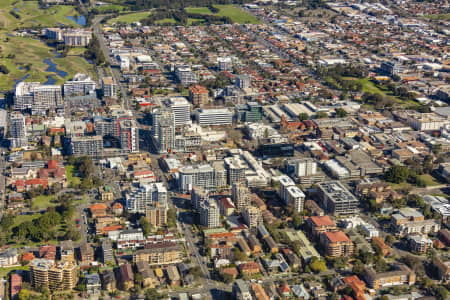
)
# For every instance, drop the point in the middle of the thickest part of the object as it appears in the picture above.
(52, 68)
(80, 20)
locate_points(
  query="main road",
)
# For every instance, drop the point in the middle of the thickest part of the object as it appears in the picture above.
(98, 33)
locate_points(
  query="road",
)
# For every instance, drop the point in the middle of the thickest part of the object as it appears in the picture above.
(98, 33)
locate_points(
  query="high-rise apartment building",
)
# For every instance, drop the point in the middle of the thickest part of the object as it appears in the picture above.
(107, 250)
(80, 85)
(225, 64)
(56, 277)
(17, 130)
(165, 141)
(198, 196)
(337, 244)
(36, 97)
(290, 193)
(109, 87)
(156, 215)
(185, 75)
(235, 170)
(77, 37)
(147, 194)
(205, 176)
(129, 136)
(159, 114)
(243, 81)
(252, 216)
(209, 214)
(240, 196)
(46, 97)
(86, 145)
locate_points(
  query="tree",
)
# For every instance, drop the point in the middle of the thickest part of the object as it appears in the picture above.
(24, 294)
(390, 239)
(227, 278)
(341, 113)
(437, 149)
(145, 224)
(303, 116)
(171, 217)
(358, 267)
(397, 174)
(321, 115)
(297, 221)
(317, 265)
(239, 255)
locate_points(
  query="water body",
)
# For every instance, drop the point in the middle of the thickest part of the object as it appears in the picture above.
(52, 68)
(80, 20)
(50, 80)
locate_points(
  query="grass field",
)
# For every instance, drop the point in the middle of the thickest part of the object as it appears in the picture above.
(130, 18)
(6, 271)
(24, 55)
(110, 7)
(32, 15)
(166, 20)
(19, 219)
(42, 202)
(439, 17)
(236, 14)
(429, 180)
(73, 180)
(21, 53)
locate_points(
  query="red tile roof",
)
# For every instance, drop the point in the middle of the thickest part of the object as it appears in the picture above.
(337, 237)
(322, 221)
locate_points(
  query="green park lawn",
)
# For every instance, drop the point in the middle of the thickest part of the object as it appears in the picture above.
(236, 14)
(439, 17)
(42, 202)
(71, 178)
(429, 180)
(110, 7)
(19, 219)
(166, 20)
(6, 271)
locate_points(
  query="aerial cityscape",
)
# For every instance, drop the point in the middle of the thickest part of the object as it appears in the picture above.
(217, 149)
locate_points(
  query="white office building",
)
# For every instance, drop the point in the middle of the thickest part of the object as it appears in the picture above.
(181, 109)
(214, 116)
